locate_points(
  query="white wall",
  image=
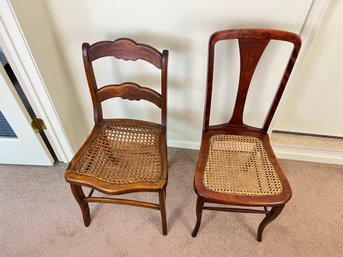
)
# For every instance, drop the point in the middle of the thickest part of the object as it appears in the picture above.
(35, 21)
(315, 102)
(182, 27)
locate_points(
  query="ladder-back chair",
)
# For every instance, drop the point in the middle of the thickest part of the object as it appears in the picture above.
(236, 164)
(122, 156)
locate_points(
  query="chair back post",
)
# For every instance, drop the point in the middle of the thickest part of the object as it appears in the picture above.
(97, 109)
(209, 84)
(164, 79)
(282, 85)
(127, 50)
(252, 43)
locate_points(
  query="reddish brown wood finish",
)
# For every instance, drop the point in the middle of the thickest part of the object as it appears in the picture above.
(252, 43)
(130, 91)
(125, 49)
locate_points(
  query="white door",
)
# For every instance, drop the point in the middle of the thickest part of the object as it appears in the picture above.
(315, 103)
(24, 146)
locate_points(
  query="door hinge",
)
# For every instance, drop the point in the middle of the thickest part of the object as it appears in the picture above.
(38, 124)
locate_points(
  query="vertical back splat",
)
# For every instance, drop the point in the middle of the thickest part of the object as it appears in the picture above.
(250, 54)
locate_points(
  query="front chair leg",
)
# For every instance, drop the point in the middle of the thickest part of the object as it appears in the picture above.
(79, 196)
(199, 208)
(162, 198)
(274, 212)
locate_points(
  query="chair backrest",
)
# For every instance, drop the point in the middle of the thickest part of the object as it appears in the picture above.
(252, 43)
(127, 50)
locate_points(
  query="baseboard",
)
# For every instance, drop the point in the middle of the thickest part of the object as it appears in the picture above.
(184, 144)
(308, 154)
(283, 152)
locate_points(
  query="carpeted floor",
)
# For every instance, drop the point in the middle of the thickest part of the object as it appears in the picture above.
(39, 217)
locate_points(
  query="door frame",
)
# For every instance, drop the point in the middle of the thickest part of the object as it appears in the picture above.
(17, 51)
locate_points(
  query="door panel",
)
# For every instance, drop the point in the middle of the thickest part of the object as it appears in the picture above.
(315, 102)
(27, 147)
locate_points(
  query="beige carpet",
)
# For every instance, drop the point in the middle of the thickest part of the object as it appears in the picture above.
(39, 217)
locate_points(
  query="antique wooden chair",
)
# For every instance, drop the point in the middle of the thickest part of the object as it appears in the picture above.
(122, 155)
(236, 163)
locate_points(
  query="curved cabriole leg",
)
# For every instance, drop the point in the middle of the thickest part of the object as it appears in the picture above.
(274, 212)
(162, 197)
(199, 208)
(79, 195)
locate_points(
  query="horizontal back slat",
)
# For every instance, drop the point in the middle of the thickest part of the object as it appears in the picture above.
(130, 91)
(126, 49)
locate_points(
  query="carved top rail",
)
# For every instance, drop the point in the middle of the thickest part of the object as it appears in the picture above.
(252, 43)
(125, 49)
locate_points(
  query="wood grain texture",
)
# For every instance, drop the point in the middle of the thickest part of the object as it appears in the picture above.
(252, 43)
(130, 91)
(127, 50)
(258, 39)
(250, 54)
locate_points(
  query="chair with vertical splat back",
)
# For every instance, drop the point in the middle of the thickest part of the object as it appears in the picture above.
(236, 163)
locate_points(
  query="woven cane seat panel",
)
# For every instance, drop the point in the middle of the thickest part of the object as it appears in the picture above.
(123, 153)
(239, 165)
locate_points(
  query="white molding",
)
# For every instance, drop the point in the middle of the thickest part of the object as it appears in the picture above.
(184, 144)
(19, 55)
(283, 152)
(311, 24)
(308, 154)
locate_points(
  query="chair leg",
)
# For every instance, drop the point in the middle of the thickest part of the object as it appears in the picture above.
(79, 195)
(162, 197)
(275, 211)
(199, 208)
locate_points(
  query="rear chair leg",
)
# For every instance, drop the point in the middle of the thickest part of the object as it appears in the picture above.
(162, 197)
(79, 196)
(199, 208)
(274, 212)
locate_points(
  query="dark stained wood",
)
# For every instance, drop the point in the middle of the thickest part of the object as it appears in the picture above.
(122, 201)
(162, 199)
(128, 50)
(80, 198)
(252, 43)
(97, 110)
(164, 94)
(91, 192)
(260, 37)
(199, 209)
(241, 210)
(125, 49)
(130, 91)
(275, 211)
(250, 54)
